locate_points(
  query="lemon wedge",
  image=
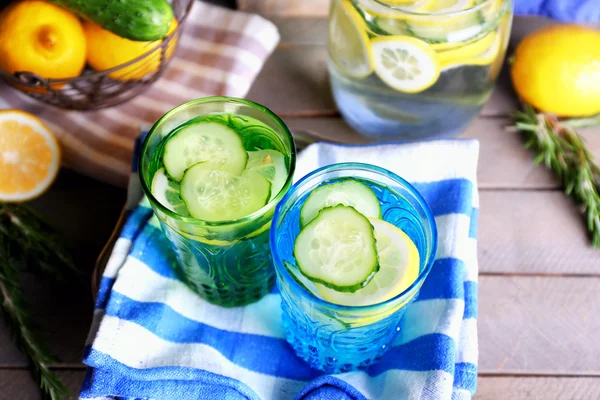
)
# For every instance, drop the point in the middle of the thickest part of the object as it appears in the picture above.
(398, 269)
(348, 40)
(405, 63)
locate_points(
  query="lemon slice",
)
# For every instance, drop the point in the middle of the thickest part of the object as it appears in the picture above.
(467, 51)
(447, 6)
(376, 9)
(398, 269)
(405, 63)
(29, 156)
(468, 55)
(446, 28)
(348, 40)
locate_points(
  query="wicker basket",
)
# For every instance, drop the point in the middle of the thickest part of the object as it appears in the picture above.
(94, 90)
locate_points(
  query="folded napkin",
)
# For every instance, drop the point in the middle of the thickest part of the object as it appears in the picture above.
(154, 338)
(220, 53)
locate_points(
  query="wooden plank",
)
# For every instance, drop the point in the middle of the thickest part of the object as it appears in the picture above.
(84, 211)
(539, 325)
(18, 384)
(286, 7)
(533, 388)
(503, 161)
(533, 232)
(304, 31)
(294, 80)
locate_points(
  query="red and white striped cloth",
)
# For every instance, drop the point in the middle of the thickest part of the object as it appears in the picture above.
(220, 53)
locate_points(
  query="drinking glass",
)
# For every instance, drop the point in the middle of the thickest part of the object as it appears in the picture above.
(446, 63)
(336, 338)
(226, 262)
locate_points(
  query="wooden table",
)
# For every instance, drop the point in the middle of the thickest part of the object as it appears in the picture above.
(539, 284)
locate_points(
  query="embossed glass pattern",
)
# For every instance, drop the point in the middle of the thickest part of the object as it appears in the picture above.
(226, 262)
(336, 338)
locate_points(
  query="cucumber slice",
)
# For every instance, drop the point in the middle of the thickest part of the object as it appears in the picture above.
(337, 249)
(393, 26)
(455, 30)
(271, 165)
(204, 142)
(329, 320)
(398, 269)
(216, 195)
(347, 192)
(167, 193)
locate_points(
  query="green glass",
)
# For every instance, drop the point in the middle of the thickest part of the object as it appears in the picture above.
(226, 262)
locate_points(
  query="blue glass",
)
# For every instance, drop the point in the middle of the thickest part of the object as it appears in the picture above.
(331, 337)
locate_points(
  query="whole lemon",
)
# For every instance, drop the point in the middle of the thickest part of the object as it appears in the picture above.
(557, 70)
(107, 50)
(42, 38)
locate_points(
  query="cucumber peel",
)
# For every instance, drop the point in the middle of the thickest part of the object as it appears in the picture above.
(167, 193)
(204, 142)
(140, 20)
(338, 249)
(347, 192)
(270, 164)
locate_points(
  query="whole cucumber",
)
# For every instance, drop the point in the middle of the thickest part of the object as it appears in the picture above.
(142, 20)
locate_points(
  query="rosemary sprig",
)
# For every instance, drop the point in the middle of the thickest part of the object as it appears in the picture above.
(563, 151)
(574, 123)
(29, 243)
(36, 239)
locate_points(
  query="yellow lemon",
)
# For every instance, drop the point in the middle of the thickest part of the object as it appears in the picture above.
(107, 50)
(42, 38)
(29, 156)
(557, 70)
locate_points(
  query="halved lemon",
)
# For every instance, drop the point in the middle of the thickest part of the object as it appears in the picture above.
(398, 269)
(482, 52)
(29, 156)
(405, 63)
(348, 40)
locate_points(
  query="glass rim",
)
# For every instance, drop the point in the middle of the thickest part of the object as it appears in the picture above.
(195, 221)
(278, 262)
(398, 8)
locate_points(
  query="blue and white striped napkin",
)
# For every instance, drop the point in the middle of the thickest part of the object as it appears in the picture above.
(155, 339)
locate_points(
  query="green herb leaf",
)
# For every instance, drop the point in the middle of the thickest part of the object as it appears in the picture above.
(27, 242)
(563, 151)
